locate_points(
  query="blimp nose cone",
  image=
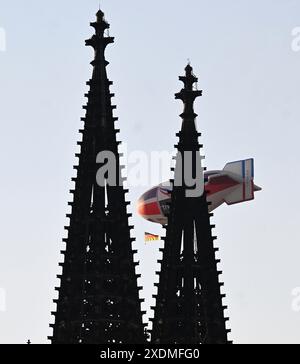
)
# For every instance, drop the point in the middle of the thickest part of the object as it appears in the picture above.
(148, 206)
(140, 206)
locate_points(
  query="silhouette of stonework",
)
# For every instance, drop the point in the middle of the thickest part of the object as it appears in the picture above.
(189, 307)
(98, 300)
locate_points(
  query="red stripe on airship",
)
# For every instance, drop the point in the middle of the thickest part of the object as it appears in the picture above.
(149, 209)
(218, 184)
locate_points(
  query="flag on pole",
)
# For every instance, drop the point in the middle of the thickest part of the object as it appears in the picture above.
(151, 237)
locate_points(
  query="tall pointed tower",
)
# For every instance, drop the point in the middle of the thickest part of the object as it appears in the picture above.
(98, 300)
(189, 307)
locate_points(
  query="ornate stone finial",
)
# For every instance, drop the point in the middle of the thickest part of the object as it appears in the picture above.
(188, 93)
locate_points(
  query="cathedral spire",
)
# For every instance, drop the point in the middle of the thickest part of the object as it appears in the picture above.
(98, 297)
(189, 307)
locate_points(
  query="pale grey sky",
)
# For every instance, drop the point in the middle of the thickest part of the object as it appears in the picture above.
(241, 51)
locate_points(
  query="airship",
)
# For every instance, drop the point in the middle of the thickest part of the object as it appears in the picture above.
(234, 184)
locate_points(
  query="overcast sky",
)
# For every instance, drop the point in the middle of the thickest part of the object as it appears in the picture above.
(250, 76)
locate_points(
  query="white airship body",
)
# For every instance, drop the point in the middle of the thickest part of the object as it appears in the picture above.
(234, 184)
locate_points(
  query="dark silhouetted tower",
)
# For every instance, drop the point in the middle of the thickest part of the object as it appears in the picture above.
(98, 299)
(189, 307)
